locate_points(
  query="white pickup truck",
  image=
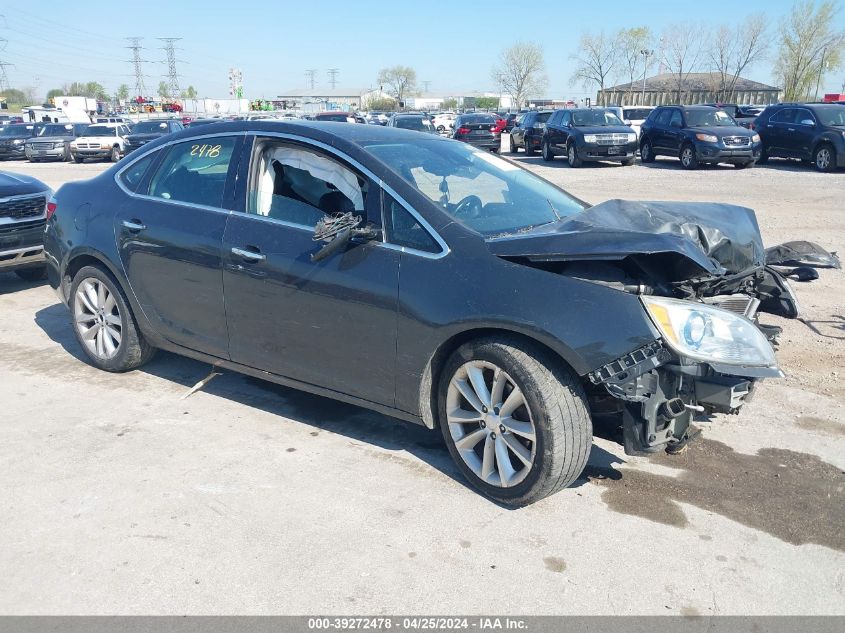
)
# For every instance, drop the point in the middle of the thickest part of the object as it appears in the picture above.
(101, 140)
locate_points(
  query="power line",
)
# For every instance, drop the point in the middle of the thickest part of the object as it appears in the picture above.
(140, 88)
(332, 77)
(311, 73)
(170, 52)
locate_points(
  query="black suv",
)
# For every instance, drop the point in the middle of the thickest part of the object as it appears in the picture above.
(588, 134)
(146, 131)
(696, 135)
(811, 132)
(13, 139)
(528, 131)
(23, 209)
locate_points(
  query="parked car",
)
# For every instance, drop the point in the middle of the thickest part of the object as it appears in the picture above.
(418, 122)
(634, 116)
(13, 139)
(146, 131)
(53, 141)
(23, 208)
(697, 135)
(478, 129)
(810, 132)
(528, 131)
(588, 135)
(510, 119)
(199, 122)
(336, 116)
(445, 122)
(312, 239)
(101, 140)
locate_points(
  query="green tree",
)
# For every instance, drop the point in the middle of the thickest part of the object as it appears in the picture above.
(14, 96)
(631, 43)
(91, 89)
(487, 103)
(381, 103)
(189, 93)
(400, 80)
(163, 90)
(809, 46)
(449, 104)
(122, 92)
(54, 92)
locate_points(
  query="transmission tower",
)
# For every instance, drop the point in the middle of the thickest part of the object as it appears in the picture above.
(426, 84)
(140, 88)
(236, 87)
(333, 76)
(311, 73)
(172, 76)
(4, 79)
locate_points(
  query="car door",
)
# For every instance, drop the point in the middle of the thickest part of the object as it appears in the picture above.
(518, 130)
(329, 323)
(557, 128)
(799, 136)
(673, 133)
(657, 130)
(775, 133)
(169, 235)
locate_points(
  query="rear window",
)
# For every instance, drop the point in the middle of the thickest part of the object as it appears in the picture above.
(636, 114)
(340, 116)
(475, 119)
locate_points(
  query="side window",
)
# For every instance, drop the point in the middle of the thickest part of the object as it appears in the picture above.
(676, 120)
(403, 229)
(521, 120)
(134, 174)
(300, 185)
(804, 117)
(787, 115)
(564, 119)
(195, 171)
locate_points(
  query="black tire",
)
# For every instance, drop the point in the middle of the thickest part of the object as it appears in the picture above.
(824, 158)
(511, 144)
(529, 148)
(561, 419)
(115, 154)
(133, 351)
(78, 159)
(546, 152)
(687, 156)
(745, 165)
(67, 156)
(646, 152)
(627, 162)
(38, 273)
(572, 156)
(763, 158)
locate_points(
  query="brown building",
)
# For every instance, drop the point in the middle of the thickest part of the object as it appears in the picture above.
(696, 88)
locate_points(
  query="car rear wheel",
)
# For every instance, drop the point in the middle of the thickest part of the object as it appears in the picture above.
(514, 419)
(104, 324)
(115, 154)
(529, 148)
(66, 157)
(39, 273)
(546, 151)
(512, 144)
(646, 153)
(688, 158)
(572, 156)
(824, 158)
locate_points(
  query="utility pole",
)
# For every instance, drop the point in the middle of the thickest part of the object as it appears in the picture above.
(646, 53)
(169, 49)
(135, 47)
(310, 73)
(332, 77)
(821, 70)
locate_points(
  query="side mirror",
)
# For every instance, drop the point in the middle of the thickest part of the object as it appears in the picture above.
(338, 231)
(809, 122)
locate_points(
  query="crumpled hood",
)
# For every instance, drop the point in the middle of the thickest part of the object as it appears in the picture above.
(19, 185)
(685, 239)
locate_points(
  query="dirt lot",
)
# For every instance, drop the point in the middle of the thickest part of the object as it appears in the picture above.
(121, 497)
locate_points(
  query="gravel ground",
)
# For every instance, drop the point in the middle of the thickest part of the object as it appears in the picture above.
(120, 497)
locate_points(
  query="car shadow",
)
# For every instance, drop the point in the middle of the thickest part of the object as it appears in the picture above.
(10, 282)
(323, 414)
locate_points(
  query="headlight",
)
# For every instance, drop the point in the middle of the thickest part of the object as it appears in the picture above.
(17, 141)
(58, 145)
(707, 138)
(632, 138)
(705, 333)
(755, 138)
(105, 146)
(590, 138)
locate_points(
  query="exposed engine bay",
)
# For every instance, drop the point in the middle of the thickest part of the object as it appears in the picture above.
(693, 253)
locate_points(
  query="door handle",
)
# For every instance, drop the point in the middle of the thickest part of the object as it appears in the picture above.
(790, 129)
(134, 225)
(248, 254)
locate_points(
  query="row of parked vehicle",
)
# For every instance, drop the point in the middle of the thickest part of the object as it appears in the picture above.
(697, 135)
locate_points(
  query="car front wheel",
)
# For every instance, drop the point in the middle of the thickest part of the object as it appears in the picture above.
(115, 154)
(824, 158)
(572, 156)
(688, 158)
(514, 419)
(646, 153)
(104, 324)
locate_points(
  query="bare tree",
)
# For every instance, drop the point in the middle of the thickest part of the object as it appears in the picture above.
(631, 44)
(681, 51)
(400, 80)
(520, 72)
(734, 49)
(809, 45)
(596, 59)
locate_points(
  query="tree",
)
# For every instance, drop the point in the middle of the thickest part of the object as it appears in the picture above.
(54, 92)
(520, 72)
(631, 44)
(808, 46)
(487, 103)
(400, 80)
(189, 93)
(163, 90)
(596, 58)
(122, 92)
(29, 95)
(681, 53)
(380, 103)
(91, 89)
(733, 49)
(450, 103)
(14, 96)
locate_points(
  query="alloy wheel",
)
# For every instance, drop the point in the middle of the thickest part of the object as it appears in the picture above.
(645, 151)
(823, 159)
(97, 318)
(686, 157)
(491, 424)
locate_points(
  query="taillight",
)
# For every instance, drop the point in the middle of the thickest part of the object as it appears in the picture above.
(51, 208)
(463, 131)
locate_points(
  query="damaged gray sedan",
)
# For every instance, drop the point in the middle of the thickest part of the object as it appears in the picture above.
(425, 279)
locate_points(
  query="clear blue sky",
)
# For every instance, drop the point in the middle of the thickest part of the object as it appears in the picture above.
(453, 45)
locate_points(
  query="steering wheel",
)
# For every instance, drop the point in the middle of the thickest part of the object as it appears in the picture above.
(469, 207)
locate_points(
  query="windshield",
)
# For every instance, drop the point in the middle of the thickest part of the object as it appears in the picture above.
(17, 130)
(709, 118)
(149, 127)
(595, 117)
(482, 191)
(100, 130)
(834, 115)
(56, 130)
(418, 123)
(341, 116)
